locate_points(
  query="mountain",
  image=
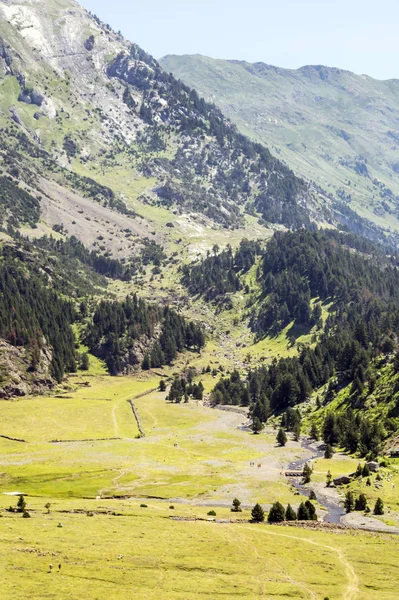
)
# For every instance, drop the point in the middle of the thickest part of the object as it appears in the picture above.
(331, 126)
(86, 115)
(114, 175)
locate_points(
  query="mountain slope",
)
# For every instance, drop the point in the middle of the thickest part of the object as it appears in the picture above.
(331, 126)
(84, 109)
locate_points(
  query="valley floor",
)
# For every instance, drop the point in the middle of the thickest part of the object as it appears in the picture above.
(129, 516)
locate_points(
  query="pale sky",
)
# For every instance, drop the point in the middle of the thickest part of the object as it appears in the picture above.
(358, 35)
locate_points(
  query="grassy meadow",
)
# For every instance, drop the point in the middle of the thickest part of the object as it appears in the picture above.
(127, 550)
(134, 511)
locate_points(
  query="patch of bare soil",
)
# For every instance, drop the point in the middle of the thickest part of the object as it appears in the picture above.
(93, 224)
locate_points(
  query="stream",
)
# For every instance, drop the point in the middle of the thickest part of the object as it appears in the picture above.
(334, 510)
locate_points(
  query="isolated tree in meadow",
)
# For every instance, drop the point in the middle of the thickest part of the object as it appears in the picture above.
(48, 506)
(290, 514)
(328, 452)
(236, 505)
(276, 513)
(258, 514)
(281, 437)
(349, 502)
(21, 504)
(379, 507)
(162, 386)
(328, 478)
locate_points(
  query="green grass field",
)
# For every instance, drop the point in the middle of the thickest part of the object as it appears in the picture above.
(192, 457)
(142, 553)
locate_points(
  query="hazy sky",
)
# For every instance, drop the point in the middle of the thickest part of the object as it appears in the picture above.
(359, 35)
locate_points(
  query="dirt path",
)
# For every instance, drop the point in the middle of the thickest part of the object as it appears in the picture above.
(352, 589)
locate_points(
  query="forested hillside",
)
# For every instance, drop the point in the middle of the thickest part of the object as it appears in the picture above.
(341, 289)
(133, 333)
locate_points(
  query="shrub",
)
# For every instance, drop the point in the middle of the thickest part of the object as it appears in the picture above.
(211, 513)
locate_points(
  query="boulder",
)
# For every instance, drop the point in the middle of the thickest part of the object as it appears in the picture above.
(344, 480)
(373, 466)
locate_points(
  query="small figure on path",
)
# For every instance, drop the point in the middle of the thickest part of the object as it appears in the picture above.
(50, 567)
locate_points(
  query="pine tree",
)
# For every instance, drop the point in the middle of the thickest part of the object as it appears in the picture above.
(281, 437)
(236, 505)
(256, 426)
(303, 512)
(258, 514)
(84, 362)
(162, 386)
(306, 473)
(276, 513)
(290, 514)
(361, 502)
(21, 504)
(366, 470)
(328, 478)
(379, 507)
(146, 364)
(314, 432)
(311, 510)
(328, 452)
(349, 502)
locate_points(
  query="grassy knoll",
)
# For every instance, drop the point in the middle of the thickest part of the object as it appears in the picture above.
(144, 554)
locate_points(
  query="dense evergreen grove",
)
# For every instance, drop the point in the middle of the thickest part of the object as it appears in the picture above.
(119, 329)
(356, 433)
(301, 266)
(362, 325)
(30, 312)
(18, 207)
(218, 274)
